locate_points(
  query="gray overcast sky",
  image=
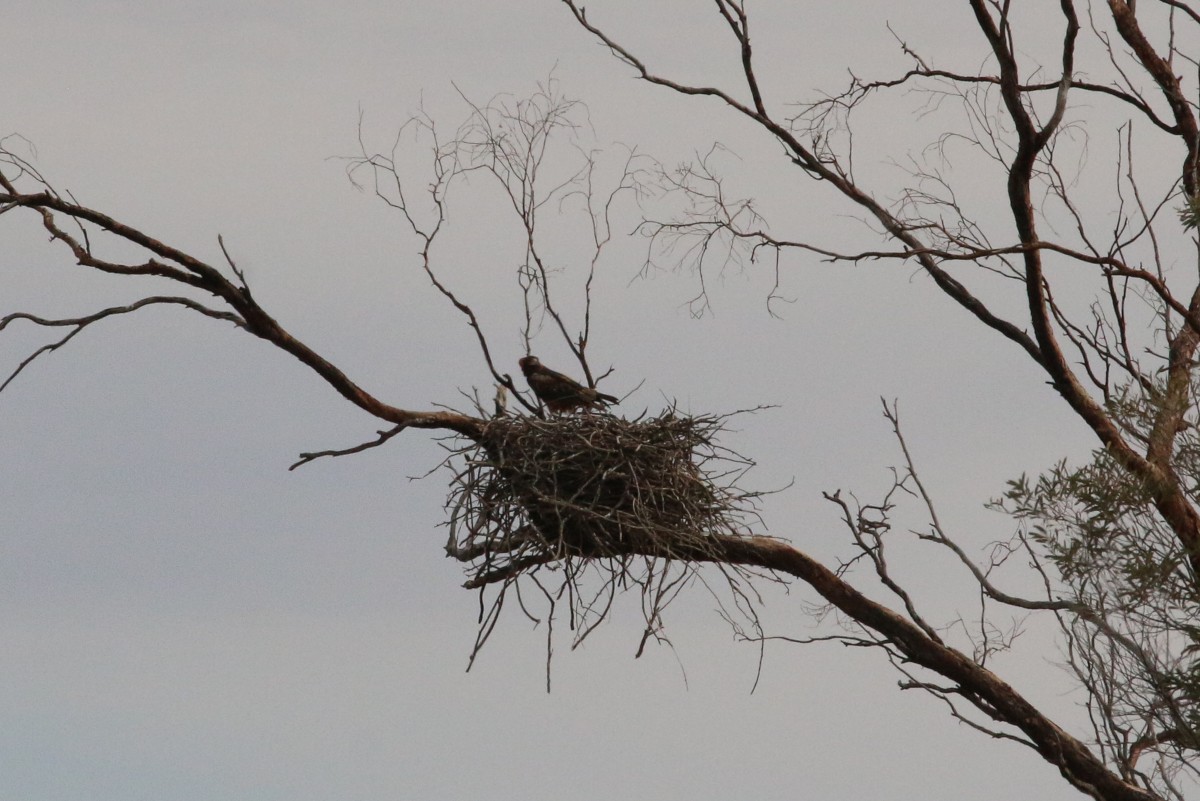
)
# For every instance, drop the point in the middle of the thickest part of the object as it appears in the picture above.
(183, 618)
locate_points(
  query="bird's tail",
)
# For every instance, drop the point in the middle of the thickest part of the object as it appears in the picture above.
(607, 398)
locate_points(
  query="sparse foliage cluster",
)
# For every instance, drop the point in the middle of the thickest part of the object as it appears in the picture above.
(1133, 641)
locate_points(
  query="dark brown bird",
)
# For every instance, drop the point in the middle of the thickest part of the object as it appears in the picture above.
(559, 392)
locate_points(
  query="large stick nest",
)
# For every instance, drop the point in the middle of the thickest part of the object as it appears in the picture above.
(631, 504)
(534, 491)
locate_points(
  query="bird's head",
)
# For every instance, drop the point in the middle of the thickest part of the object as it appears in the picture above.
(529, 364)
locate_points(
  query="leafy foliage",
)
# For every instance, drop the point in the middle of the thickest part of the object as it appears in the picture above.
(1135, 640)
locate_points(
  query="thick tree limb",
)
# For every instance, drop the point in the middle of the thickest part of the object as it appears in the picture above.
(984, 689)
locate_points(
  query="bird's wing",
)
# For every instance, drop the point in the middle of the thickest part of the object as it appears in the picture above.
(551, 386)
(555, 388)
(565, 380)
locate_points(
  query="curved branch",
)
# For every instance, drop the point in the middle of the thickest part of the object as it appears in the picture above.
(1168, 83)
(79, 323)
(193, 272)
(383, 437)
(860, 89)
(815, 166)
(995, 697)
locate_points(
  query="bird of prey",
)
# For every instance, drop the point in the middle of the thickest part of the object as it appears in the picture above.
(559, 392)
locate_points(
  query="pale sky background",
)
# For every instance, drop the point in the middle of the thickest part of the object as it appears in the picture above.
(183, 618)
